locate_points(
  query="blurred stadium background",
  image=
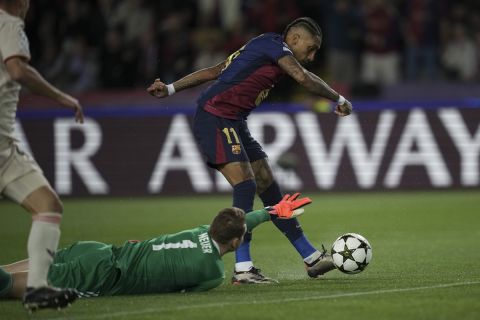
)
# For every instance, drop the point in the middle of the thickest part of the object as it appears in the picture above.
(410, 67)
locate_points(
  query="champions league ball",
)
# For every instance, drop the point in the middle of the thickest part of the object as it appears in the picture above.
(351, 253)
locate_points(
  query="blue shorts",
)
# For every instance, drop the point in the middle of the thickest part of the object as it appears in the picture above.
(224, 140)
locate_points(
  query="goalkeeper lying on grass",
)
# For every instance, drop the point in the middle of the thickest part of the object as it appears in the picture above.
(186, 261)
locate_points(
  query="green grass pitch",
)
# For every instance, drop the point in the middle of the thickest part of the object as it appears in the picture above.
(426, 258)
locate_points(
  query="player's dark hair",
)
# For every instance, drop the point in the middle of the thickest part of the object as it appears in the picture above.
(306, 23)
(227, 225)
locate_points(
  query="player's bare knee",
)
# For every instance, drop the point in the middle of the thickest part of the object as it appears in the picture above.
(43, 200)
(46, 205)
(263, 175)
(52, 203)
(263, 183)
(237, 172)
(56, 205)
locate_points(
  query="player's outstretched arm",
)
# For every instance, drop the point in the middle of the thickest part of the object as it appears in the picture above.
(161, 90)
(29, 77)
(314, 84)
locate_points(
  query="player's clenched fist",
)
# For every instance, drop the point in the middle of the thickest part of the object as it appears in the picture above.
(344, 109)
(158, 89)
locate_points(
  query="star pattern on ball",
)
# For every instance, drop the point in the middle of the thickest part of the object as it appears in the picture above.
(351, 253)
(347, 253)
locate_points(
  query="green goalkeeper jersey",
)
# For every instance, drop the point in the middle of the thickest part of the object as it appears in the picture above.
(184, 261)
(187, 260)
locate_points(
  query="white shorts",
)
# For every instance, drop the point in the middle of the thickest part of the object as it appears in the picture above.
(20, 174)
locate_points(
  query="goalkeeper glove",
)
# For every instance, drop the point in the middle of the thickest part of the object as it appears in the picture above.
(289, 207)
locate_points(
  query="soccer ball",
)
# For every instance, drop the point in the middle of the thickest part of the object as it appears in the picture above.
(351, 253)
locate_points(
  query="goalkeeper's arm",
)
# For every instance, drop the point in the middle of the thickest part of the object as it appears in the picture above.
(254, 218)
(290, 207)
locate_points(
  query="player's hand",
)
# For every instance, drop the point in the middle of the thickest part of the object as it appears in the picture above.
(345, 109)
(72, 103)
(290, 206)
(158, 89)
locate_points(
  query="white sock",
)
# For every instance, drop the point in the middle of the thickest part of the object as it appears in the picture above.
(42, 244)
(243, 266)
(311, 258)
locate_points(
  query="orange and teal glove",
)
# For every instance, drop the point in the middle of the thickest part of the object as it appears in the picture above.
(289, 207)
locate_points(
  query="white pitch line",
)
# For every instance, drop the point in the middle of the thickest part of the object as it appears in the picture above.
(258, 302)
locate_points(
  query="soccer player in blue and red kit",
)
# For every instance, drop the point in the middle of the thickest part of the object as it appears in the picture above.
(241, 83)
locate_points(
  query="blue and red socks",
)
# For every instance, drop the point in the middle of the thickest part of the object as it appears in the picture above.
(243, 197)
(290, 228)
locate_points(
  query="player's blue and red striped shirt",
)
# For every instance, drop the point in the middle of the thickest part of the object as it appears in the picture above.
(248, 77)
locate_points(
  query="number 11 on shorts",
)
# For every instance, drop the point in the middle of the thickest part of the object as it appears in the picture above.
(227, 132)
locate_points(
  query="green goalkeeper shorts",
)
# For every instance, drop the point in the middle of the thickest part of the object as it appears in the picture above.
(87, 266)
